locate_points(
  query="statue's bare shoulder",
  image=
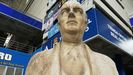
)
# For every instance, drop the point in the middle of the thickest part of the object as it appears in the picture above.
(39, 62)
(41, 57)
(105, 62)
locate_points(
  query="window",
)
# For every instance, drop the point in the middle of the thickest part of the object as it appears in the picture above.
(10, 71)
(18, 71)
(2, 69)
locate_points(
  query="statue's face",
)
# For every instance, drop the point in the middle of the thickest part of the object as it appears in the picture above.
(72, 17)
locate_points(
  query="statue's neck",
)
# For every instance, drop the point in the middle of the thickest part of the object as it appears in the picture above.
(68, 43)
(69, 46)
(72, 39)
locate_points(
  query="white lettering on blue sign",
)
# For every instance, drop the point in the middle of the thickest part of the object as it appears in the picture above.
(46, 48)
(87, 29)
(89, 21)
(5, 56)
(114, 33)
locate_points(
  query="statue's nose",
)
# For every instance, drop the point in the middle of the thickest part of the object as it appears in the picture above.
(71, 14)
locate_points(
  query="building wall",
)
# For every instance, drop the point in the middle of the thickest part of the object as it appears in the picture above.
(128, 6)
(38, 9)
(117, 8)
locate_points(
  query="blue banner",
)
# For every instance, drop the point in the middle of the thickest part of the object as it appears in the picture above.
(51, 12)
(14, 59)
(7, 11)
(109, 30)
(54, 29)
(52, 41)
(131, 21)
(81, 1)
(91, 29)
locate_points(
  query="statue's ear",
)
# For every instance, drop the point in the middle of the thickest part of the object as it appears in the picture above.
(58, 22)
(86, 19)
(58, 17)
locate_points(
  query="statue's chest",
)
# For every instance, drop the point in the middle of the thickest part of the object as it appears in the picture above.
(73, 64)
(72, 67)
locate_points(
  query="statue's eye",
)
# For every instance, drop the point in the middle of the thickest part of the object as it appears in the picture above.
(65, 10)
(78, 10)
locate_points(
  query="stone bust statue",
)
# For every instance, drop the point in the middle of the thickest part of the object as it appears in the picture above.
(71, 56)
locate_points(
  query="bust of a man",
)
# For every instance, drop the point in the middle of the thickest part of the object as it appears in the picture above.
(71, 56)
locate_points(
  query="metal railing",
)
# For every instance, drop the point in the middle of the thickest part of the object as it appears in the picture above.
(15, 45)
(2, 41)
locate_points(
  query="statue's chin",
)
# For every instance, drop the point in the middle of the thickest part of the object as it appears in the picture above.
(72, 28)
(72, 31)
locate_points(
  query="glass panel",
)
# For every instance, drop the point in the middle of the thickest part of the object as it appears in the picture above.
(10, 71)
(2, 69)
(18, 71)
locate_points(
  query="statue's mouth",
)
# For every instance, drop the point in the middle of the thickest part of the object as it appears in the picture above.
(72, 21)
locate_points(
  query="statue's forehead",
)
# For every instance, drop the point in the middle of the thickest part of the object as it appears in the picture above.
(71, 4)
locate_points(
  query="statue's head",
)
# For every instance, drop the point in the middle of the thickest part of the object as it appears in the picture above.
(72, 18)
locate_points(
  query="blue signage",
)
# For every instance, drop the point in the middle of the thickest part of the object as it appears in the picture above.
(131, 21)
(14, 59)
(7, 11)
(47, 45)
(81, 1)
(91, 29)
(52, 41)
(52, 11)
(109, 30)
(54, 29)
